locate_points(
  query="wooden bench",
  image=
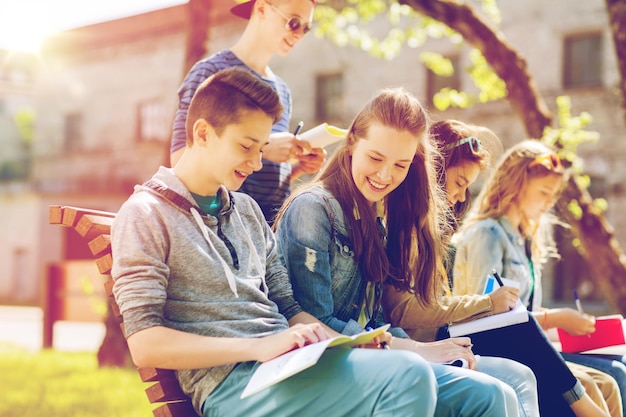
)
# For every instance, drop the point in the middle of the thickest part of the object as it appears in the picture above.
(95, 227)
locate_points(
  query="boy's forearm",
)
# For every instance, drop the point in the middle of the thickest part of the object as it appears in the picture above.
(306, 318)
(163, 347)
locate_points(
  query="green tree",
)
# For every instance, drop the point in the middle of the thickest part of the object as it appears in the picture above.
(501, 62)
(342, 20)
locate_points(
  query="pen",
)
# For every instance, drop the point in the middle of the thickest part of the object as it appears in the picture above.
(297, 130)
(497, 277)
(383, 345)
(579, 306)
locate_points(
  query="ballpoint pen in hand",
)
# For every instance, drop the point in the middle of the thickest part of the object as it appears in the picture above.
(497, 277)
(579, 306)
(383, 344)
(298, 128)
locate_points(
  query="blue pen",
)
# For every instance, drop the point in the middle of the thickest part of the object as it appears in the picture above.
(579, 306)
(383, 345)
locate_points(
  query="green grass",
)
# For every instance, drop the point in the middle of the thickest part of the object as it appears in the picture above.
(62, 384)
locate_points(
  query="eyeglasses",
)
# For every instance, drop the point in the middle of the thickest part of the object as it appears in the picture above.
(293, 24)
(550, 161)
(474, 144)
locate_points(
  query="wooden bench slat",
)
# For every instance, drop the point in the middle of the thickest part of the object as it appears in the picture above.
(105, 264)
(99, 244)
(95, 226)
(154, 374)
(72, 214)
(175, 409)
(108, 286)
(55, 215)
(89, 226)
(165, 390)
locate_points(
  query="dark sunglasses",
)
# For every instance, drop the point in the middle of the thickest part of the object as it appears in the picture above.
(550, 161)
(293, 24)
(474, 144)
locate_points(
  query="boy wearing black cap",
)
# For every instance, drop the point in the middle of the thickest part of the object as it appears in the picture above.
(273, 29)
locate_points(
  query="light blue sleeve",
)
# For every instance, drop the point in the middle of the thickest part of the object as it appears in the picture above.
(479, 250)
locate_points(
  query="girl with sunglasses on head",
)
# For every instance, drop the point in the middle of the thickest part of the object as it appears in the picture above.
(354, 226)
(509, 230)
(274, 28)
(464, 151)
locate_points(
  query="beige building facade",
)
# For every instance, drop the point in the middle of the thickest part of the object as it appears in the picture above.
(108, 97)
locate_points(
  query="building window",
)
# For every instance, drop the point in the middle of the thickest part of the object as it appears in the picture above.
(582, 61)
(73, 131)
(329, 98)
(152, 122)
(436, 82)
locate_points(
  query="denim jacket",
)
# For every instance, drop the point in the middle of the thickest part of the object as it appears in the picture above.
(494, 243)
(318, 254)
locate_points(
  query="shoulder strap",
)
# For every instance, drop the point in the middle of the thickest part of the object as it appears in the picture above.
(173, 196)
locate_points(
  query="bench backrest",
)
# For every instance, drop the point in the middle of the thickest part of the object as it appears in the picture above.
(95, 227)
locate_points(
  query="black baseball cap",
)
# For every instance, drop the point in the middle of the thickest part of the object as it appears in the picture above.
(243, 10)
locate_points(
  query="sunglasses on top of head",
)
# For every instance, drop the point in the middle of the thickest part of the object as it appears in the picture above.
(550, 161)
(473, 142)
(292, 24)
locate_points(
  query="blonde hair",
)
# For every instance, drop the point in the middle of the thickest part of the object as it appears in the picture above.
(511, 177)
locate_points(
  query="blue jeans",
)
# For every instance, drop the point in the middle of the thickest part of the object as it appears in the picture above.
(364, 382)
(519, 377)
(467, 393)
(614, 365)
(526, 343)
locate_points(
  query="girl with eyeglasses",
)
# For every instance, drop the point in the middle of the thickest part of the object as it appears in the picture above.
(274, 28)
(509, 230)
(466, 150)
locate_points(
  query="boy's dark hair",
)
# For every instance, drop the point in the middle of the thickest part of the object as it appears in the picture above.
(222, 99)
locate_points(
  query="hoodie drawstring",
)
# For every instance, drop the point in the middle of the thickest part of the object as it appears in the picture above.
(230, 277)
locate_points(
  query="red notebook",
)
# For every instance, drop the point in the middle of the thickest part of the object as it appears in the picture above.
(609, 332)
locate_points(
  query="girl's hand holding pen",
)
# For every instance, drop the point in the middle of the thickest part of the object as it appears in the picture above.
(441, 351)
(381, 342)
(572, 321)
(504, 299)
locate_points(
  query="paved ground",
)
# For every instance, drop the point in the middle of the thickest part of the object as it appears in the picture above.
(22, 326)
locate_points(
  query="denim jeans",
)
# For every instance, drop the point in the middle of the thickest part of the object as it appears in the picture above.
(365, 382)
(519, 377)
(614, 365)
(526, 343)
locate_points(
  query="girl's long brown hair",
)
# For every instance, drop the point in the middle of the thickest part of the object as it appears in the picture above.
(412, 209)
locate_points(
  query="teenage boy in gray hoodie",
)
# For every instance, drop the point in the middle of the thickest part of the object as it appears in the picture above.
(202, 289)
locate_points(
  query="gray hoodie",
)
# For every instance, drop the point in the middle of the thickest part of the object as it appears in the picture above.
(174, 266)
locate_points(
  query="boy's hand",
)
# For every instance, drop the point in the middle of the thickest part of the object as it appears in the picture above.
(294, 337)
(284, 146)
(313, 161)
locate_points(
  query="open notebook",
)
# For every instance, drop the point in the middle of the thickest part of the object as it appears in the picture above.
(294, 361)
(518, 315)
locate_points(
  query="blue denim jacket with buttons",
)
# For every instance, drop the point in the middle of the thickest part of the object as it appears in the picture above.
(318, 254)
(494, 243)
